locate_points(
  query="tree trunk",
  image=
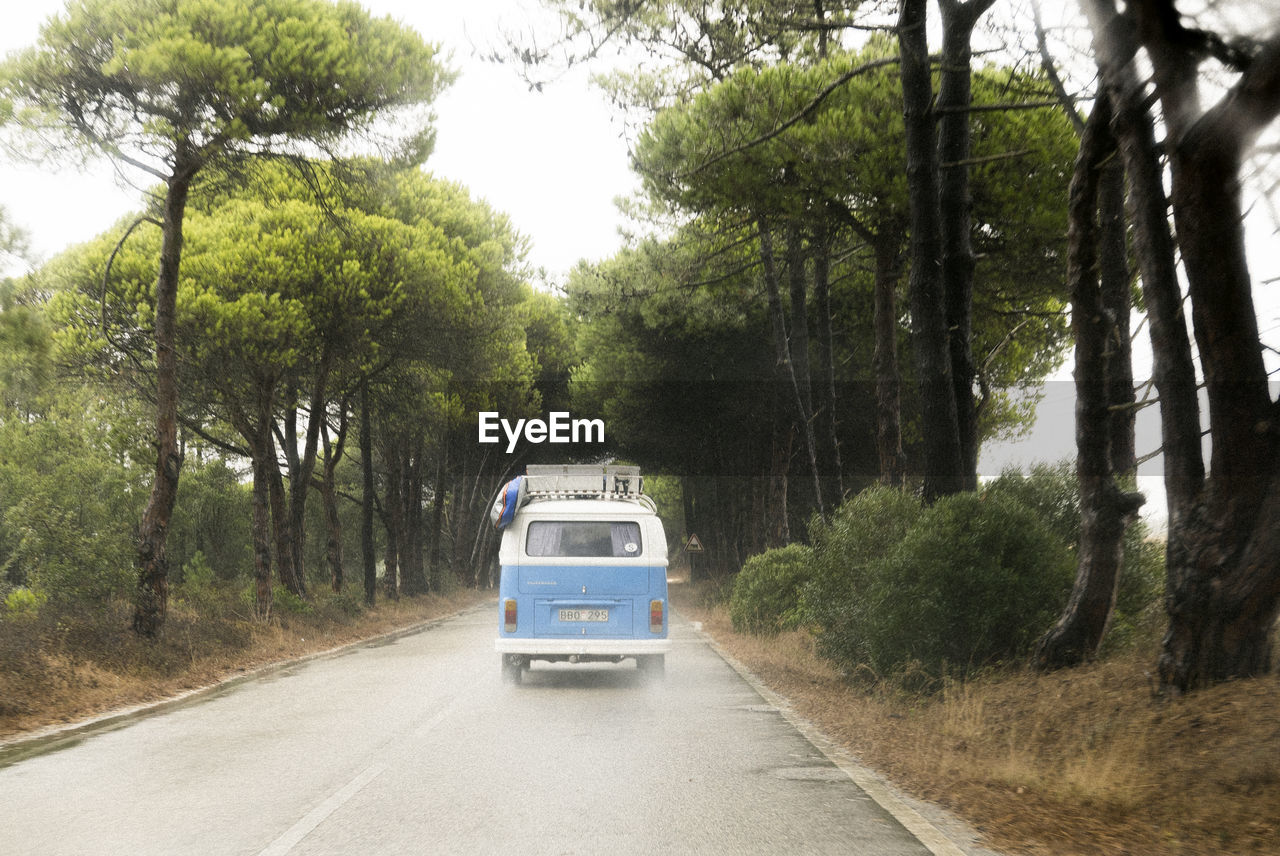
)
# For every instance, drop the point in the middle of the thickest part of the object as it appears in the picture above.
(1223, 589)
(1116, 280)
(264, 466)
(954, 204)
(943, 459)
(151, 599)
(1105, 510)
(392, 520)
(368, 554)
(888, 380)
(1224, 592)
(329, 499)
(798, 341)
(826, 340)
(785, 354)
(1173, 371)
(436, 531)
(280, 524)
(302, 468)
(697, 572)
(415, 578)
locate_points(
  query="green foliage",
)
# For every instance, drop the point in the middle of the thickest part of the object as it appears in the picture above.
(66, 492)
(973, 583)
(1053, 492)
(25, 365)
(210, 524)
(283, 601)
(203, 80)
(859, 534)
(346, 604)
(766, 590)
(198, 583)
(24, 603)
(723, 157)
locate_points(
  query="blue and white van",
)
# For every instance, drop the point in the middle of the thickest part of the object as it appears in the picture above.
(584, 569)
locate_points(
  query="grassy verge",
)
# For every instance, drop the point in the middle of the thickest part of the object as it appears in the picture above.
(1084, 761)
(61, 666)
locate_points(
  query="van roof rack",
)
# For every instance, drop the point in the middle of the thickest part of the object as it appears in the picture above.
(584, 481)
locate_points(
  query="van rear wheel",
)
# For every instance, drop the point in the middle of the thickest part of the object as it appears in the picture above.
(512, 670)
(652, 665)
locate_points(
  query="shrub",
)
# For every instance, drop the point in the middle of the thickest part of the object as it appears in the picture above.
(1051, 490)
(345, 604)
(1054, 493)
(283, 601)
(860, 532)
(973, 583)
(24, 603)
(766, 592)
(198, 583)
(211, 519)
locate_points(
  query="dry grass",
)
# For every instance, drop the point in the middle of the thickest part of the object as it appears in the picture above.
(1084, 761)
(62, 667)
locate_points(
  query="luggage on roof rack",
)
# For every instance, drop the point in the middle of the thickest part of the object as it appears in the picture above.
(584, 480)
(567, 481)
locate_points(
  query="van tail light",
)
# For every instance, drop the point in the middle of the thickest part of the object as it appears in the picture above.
(509, 615)
(656, 610)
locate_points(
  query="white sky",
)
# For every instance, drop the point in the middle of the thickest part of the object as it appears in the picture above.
(553, 161)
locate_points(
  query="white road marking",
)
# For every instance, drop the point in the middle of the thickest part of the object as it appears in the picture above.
(317, 815)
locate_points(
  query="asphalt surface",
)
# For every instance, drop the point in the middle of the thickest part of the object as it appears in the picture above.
(415, 746)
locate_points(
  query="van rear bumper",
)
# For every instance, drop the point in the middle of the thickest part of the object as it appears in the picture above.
(567, 647)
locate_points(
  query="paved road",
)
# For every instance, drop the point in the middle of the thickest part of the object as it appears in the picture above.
(417, 747)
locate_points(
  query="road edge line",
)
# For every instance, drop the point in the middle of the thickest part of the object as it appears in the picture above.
(872, 784)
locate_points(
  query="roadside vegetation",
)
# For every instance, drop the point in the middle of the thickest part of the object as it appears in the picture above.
(63, 663)
(928, 679)
(1078, 762)
(907, 633)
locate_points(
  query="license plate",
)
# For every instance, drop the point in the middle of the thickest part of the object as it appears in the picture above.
(584, 615)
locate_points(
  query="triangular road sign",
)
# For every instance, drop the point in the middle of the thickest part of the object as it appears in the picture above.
(693, 545)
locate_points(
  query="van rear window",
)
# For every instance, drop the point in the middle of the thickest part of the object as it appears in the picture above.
(579, 538)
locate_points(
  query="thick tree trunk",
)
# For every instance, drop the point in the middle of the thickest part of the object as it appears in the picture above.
(151, 598)
(954, 204)
(1223, 606)
(1105, 509)
(1223, 589)
(1116, 281)
(943, 458)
